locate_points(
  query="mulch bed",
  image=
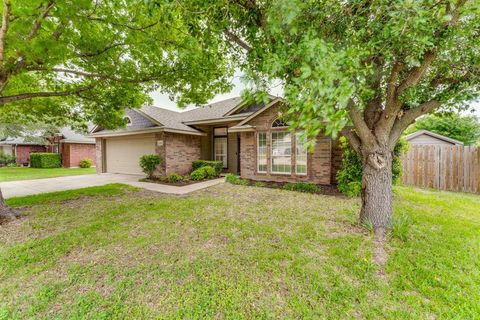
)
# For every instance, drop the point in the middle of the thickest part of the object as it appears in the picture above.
(177, 184)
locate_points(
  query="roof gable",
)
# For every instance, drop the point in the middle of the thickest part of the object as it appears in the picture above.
(434, 135)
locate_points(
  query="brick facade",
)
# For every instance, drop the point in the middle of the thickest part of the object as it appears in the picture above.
(99, 150)
(72, 153)
(179, 150)
(22, 152)
(319, 163)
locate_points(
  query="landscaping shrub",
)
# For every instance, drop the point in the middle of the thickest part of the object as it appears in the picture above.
(349, 177)
(234, 179)
(149, 163)
(206, 172)
(6, 159)
(86, 163)
(217, 165)
(302, 187)
(198, 174)
(45, 160)
(174, 177)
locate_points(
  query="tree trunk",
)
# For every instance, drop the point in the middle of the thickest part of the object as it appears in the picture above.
(377, 190)
(6, 212)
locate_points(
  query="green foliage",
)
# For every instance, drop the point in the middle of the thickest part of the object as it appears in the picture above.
(45, 160)
(201, 173)
(452, 125)
(174, 177)
(349, 177)
(234, 179)
(86, 163)
(302, 187)
(7, 159)
(81, 61)
(401, 227)
(149, 163)
(217, 165)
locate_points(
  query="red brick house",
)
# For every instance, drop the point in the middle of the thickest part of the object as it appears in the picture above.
(249, 139)
(72, 146)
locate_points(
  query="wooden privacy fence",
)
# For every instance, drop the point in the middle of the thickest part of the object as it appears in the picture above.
(452, 168)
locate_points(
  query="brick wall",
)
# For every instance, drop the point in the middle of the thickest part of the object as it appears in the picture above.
(319, 163)
(23, 152)
(99, 145)
(72, 153)
(336, 159)
(180, 150)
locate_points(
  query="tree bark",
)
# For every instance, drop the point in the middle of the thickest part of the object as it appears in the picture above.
(6, 212)
(376, 208)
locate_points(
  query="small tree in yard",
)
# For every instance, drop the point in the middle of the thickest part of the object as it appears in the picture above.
(149, 163)
(73, 62)
(376, 64)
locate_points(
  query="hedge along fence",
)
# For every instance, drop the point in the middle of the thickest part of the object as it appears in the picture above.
(45, 160)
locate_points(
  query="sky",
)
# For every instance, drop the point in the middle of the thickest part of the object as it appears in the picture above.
(162, 100)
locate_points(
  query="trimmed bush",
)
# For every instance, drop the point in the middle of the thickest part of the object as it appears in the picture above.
(234, 179)
(174, 177)
(45, 160)
(302, 187)
(349, 177)
(149, 163)
(198, 174)
(217, 165)
(85, 163)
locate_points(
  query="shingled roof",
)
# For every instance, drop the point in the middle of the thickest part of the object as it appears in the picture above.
(161, 118)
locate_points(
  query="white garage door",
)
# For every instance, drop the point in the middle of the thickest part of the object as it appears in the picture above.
(123, 153)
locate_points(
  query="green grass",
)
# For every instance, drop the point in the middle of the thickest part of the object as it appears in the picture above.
(12, 174)
(236, 252)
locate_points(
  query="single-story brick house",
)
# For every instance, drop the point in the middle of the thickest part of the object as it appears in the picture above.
(72, 146)
(249, 139)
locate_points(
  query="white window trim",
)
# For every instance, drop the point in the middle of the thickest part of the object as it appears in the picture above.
(306, 160)
(271, 155)
(129, 119)
(266, 155)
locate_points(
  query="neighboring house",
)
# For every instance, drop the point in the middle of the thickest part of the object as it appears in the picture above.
(250, 140)
(428, 137)
(21, 149)
(72, 146)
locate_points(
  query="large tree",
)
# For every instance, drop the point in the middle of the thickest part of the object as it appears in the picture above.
(78, 61)
(377, 65)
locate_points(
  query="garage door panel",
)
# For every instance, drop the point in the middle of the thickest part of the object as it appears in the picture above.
(123, 153)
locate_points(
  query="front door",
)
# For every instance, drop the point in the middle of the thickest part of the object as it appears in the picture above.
(220, 150)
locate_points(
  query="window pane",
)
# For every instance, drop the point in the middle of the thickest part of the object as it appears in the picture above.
(220, 148)
(300, 157)
(220, 131)
(262, 152)
(281, 152)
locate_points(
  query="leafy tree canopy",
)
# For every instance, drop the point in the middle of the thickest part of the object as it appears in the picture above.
(78, 61)
(453, 125)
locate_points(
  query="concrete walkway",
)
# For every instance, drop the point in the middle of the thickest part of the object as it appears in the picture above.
(29, 187)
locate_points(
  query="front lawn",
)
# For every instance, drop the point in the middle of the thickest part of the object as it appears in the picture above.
(236, 252)
(12, 174)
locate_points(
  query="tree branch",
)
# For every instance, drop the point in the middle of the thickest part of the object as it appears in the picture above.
(7, 8)
(353, 139)
(361, 128)
(235, 39)
(38, 23)
(417, 73)
(409, 117)
(24, 96)
(101, 51)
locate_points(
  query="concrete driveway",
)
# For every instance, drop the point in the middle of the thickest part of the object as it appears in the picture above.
(29, 187)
